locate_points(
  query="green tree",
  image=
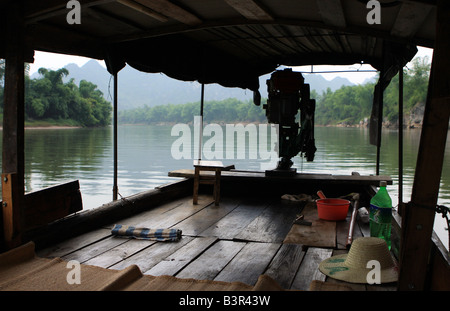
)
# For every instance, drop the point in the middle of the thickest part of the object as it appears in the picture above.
(414, 91)
(50, 98)
(351, 104)
(94, 103)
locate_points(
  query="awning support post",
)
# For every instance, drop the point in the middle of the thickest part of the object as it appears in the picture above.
(202, 99)
(115, 186)
(13, 163)
(419, 214)
(400, 139)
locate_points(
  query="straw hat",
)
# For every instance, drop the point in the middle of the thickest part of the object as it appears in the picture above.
(352, 267)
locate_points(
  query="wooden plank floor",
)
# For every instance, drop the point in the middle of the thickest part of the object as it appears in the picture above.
(238, 240)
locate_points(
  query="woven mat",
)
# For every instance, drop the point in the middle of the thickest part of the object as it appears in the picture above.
(321, 233)
(22, 270)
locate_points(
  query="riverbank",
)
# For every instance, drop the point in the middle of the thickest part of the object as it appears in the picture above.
(47, 124)
(48, 127)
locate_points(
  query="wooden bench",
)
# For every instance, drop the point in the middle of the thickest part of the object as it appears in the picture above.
(215, 166)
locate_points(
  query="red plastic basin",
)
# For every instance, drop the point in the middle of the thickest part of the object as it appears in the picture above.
(332, 209)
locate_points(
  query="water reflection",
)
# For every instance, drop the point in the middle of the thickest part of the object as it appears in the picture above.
(53, 156)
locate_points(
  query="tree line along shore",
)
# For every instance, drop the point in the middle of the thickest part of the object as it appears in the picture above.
(49, 102)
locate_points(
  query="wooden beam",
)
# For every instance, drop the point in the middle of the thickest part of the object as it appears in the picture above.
(13, 126)
(110, 18)
(39, 10)
(430, 2)
(420, 213)
(332, 12)
(54, 39)
(167, 8)
(250, 9)
(410, 19)
(222, 23)
(143, 9)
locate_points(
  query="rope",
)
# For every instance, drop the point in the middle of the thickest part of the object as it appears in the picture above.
(124, 201)
(445, 211)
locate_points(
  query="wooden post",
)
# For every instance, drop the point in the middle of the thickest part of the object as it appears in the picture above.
(202, 100)
(13, 126)
(115, 187)
(400, 137)
(418, 218)
(379, 126)
(12, 218)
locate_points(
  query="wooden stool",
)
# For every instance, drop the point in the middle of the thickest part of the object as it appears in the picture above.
(215, 166)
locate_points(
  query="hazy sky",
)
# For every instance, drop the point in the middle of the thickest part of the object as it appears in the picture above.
(56, 61)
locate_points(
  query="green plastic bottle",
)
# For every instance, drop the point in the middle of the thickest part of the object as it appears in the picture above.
(381, 214)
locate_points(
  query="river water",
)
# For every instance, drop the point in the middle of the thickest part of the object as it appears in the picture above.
(145, 157)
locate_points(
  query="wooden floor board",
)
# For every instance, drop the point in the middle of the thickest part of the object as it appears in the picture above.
(119, 253)
(238, 240)
(309, 268)
(321, 233)
(94, 250)
(208, 265)
(152, 255)
(271, 225)
(234, 222)
(285, 264)
(249, 263)
(74, 244)
(169, 215)
(208, 216)
(174, 263)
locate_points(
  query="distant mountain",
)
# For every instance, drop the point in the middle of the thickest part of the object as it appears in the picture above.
(137, 89)
(370, 80)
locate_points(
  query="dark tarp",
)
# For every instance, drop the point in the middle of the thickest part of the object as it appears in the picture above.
(187, 60)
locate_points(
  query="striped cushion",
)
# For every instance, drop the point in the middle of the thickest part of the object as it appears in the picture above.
(162, 235)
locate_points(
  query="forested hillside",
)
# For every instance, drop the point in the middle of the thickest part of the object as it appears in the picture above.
(352, 104)
(137, 89)
(229, 110)
(349, 105)
(49, 99)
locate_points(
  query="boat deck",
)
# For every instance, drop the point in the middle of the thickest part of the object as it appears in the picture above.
(238, 240)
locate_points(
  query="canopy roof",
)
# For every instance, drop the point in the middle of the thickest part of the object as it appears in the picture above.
(230, 42)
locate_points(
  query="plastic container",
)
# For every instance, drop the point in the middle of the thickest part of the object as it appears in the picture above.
(332, 209)
(381, 214)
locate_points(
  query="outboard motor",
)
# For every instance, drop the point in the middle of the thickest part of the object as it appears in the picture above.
(288, 94)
